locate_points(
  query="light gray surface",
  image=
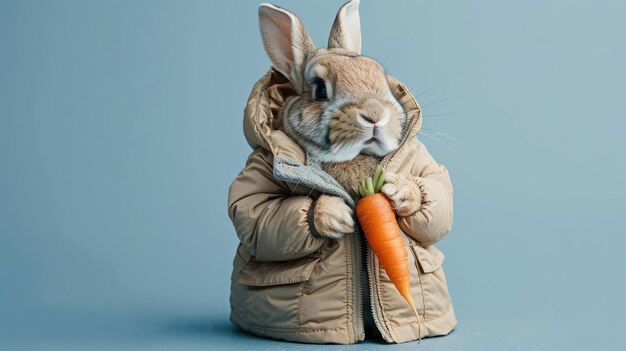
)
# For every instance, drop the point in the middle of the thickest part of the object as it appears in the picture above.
(120, 131)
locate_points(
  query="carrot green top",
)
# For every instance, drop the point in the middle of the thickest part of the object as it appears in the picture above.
(371, 186)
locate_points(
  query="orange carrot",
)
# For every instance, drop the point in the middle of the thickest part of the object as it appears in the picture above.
(378, 221)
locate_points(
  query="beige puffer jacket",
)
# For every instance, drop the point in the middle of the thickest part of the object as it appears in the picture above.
(290, 284)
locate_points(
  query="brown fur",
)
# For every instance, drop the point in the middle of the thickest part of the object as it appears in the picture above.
(349, 173)
(332, 217)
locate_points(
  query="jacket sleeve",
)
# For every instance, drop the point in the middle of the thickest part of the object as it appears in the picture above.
(434, 219)
(270, 223)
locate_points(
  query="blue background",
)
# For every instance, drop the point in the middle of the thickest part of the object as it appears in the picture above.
(121, 129)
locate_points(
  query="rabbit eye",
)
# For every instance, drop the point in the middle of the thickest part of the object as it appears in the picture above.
(320, 89)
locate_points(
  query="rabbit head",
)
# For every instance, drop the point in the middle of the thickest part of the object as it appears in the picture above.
(344, 106)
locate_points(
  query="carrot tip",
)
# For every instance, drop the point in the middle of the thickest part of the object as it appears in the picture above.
(409, 299)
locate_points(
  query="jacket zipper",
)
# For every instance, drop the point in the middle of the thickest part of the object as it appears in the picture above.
(357, 292)
(377, 312)
(374, 298)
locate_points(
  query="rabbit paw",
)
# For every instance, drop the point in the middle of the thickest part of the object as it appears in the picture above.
(405, 195)
(332, 217)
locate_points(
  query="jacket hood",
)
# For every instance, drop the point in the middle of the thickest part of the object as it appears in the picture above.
(261, 115)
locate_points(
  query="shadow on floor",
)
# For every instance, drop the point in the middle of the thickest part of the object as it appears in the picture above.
(137, 330)
(201, 327)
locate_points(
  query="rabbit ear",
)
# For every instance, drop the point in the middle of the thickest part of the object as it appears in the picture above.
(286, 42)
(346, 31)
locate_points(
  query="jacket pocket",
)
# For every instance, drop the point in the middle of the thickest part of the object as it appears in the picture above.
(429, 260)
(432, 282)
(274, 290)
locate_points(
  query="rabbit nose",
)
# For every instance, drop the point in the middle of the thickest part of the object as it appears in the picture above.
(376, 119)
(372, 118)
(371, 112)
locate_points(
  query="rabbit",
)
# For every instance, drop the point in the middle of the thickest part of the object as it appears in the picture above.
(319, 121)
(344, 115)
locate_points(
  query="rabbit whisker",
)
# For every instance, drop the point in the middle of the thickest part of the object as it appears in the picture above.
(445, 136)
(443, 114)
(397, 48)
(431, 89)
(442, 100)
(441, 142)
